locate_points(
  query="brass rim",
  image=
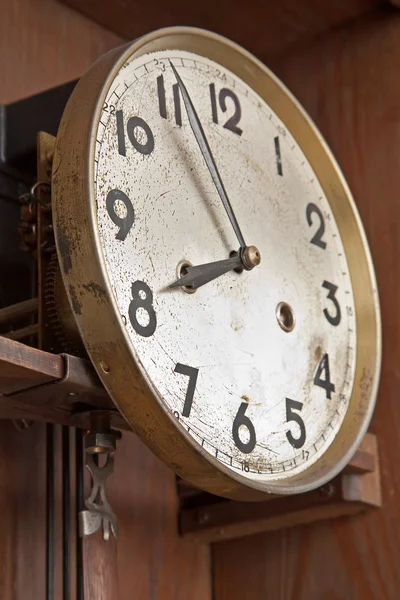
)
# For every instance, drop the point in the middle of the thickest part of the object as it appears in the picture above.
(91, 296)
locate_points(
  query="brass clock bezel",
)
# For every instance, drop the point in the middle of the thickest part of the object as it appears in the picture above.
(91, 297)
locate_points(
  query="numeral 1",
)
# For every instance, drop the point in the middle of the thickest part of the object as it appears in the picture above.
(278, 156)
(162, 103)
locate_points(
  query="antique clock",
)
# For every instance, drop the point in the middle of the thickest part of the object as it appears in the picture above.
(216, 266)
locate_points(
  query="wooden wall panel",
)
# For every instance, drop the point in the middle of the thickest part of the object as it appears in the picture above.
(22, 512)
(42, 44)
(349, 82)
(263, 27)
(153, 561)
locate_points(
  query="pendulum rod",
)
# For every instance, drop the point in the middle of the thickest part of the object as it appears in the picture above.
(80, 505)
(49, 512)
(66, 512)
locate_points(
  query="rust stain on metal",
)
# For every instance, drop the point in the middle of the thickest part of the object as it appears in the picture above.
(76, 304)
(64, 245)
(318, 353)
(94, 288)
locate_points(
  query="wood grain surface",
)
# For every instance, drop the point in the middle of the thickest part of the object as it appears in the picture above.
(263, 27)
(349, 82)
(42, 44)
(22, 510)
(154, 563)
(100, 572)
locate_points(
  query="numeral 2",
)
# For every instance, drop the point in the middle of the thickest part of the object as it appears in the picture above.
(192, 373)
(233, 121)
(317, 237)
(132, 125)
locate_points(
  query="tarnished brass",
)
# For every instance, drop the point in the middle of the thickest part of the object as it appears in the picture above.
(251, 257)
(91, 296)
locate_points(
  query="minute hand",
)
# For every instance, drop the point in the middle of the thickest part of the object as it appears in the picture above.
(207, 155)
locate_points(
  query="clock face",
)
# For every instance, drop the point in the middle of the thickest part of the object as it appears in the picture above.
(256, 367)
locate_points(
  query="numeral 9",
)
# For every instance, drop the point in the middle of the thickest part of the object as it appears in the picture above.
(124, 223)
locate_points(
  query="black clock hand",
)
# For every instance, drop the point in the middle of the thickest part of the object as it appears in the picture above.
(207, 155)
(201, 274)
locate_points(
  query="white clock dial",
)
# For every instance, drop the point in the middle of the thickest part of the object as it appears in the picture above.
(257, 367)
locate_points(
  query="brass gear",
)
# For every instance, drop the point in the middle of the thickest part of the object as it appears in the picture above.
(58, 314)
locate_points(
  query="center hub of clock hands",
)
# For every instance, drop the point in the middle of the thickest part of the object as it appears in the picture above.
(193, 277)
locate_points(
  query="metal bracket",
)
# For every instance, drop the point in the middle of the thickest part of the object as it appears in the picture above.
(99, 440)
(208, 518)
(98, 510)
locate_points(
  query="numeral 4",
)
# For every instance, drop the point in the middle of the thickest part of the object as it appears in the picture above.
(325, 383)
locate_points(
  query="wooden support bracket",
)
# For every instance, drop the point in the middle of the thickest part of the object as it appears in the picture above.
(64, 389)
(54, 388)
(204, 517)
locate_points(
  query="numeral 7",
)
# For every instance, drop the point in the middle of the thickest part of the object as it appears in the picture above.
(192, 373)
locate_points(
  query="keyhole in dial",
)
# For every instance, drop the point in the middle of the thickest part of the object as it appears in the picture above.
(285, 316)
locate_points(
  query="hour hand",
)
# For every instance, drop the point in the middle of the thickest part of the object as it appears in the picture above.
(202, 274)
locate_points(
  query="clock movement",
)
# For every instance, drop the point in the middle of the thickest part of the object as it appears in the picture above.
(197, 244)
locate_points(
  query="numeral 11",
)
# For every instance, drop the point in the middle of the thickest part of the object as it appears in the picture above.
(162, 103)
